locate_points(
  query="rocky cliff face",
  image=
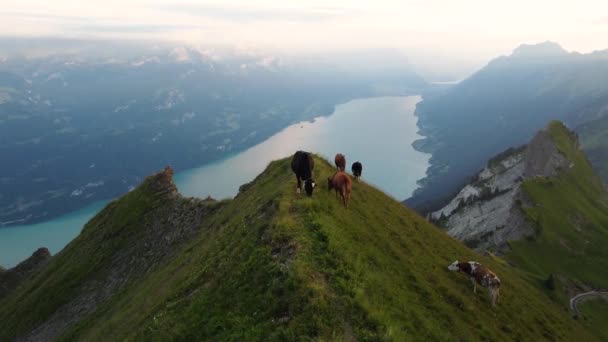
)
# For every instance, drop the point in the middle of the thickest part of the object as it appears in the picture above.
(487, 213)
(11, 278)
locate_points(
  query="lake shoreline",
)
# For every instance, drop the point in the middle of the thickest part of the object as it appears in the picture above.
(427, 144)
(325, 135)
(74, 206)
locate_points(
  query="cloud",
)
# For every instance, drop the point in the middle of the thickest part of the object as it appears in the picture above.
(255, 14)
(129, 28)
(601, 21)
(93, 25)
(44, 16)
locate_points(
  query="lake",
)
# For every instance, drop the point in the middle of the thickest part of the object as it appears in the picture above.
(376, 131)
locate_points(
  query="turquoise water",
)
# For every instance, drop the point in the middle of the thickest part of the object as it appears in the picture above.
(19, 242)
(376, 131)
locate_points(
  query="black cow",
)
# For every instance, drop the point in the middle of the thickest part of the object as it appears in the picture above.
(302, 165)
(357, 168)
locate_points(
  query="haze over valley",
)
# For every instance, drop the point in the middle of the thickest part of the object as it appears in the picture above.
(66, 119)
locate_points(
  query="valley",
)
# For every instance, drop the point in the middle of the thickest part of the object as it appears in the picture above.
(77, 128)
(503, 105)
(352, 129)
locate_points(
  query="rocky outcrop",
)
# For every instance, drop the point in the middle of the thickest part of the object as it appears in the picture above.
(487, 213)
(11, 278)
(542, 158)
(166, 221)
(161, 183)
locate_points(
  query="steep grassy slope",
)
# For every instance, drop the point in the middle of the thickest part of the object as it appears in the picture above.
(272, 265)
(595, 316)
(126, 240)
(571, 217)
(11, 278)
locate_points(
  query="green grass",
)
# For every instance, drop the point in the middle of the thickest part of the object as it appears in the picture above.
(594, 316)
(83, 259)
(272, 265)
(571, 218)
(571, 215)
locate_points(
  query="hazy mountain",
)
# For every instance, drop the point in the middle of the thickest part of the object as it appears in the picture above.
(503, 105)
(594, 141)
(77, 127)
(541, 51)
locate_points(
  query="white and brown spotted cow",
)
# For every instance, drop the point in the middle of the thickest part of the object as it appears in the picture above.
(479, 274)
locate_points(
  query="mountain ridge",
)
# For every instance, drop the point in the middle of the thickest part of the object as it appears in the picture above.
(12, 277)
(106, 259)
(548, 219)
(487, 213)
(271, 265)
(503, 105)
(543, 49)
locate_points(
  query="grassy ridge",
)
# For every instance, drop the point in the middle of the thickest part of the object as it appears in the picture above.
(272, 265)
(571, 215)
(116, 237)
(83, 259)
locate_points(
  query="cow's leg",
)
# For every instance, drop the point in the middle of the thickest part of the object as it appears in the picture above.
(347, 200)
(474, 284)
(344, 198)
(493, 295)
(299, 188)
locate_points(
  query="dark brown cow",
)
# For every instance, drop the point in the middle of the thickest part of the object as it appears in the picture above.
(342, 184)
(479, 274)
(340, 161)
(302, 165)
(357, 168)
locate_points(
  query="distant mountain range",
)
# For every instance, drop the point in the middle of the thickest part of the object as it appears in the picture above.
(77, 127)
(502, 106)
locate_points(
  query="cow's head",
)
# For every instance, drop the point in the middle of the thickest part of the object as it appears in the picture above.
(455, 266)
(309, 186)
(330, 183)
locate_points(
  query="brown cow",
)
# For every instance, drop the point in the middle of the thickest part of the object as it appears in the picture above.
(343, 185)
(340, 161)
(479, 274)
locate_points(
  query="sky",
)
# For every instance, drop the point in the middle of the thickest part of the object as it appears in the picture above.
(430, 31)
